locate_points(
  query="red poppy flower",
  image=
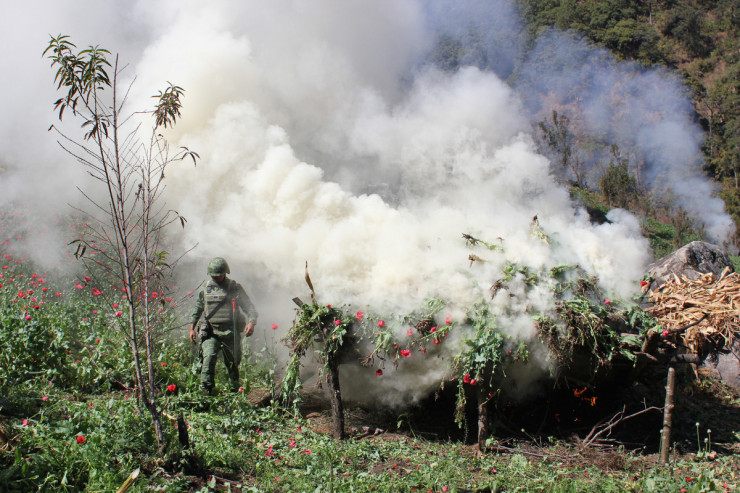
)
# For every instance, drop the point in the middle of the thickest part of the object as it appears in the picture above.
(409, 332)
(96, 292)
(665, 333)
(466, 378)
(24, 422)
(379, 372)
(405, 353)
(28, 317)
(118, 313)
(337, 322)
(87, 279)
(328, 306)
(381, 323)
(433, 329)
(643, 283)
(241, 389)
(80, 439)
(164, 364)
(473, 381)
(274, 326)
(448, 321)
(359, 316)
(172, 387)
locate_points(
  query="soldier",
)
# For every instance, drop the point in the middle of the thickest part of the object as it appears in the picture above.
(217, 302)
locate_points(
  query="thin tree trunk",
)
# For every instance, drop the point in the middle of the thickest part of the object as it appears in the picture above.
(665, 440)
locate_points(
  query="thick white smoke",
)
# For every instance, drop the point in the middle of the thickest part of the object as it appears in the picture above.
(326, 137)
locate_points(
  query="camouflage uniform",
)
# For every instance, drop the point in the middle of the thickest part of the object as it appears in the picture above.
(220, 334)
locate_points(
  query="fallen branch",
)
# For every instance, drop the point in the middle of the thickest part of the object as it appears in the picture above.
(603, 427)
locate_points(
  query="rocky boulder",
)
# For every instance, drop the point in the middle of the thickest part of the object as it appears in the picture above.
(690, 260)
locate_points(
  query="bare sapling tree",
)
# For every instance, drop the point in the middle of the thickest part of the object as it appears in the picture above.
(131, 217)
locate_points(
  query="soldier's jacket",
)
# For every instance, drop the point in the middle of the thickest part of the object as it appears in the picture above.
(211, 295)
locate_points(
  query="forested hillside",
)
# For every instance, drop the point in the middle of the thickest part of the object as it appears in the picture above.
(698, 40)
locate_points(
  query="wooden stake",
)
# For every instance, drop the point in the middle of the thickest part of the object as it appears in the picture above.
(482, 418)
(129, 481)
(335, 398)
(665, 440)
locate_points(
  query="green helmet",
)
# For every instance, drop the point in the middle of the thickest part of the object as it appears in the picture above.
(218, 267)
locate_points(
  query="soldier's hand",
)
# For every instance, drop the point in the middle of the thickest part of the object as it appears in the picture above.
(249, 329)
(193, 336)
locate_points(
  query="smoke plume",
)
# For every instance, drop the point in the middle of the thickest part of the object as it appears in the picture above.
(330, 134)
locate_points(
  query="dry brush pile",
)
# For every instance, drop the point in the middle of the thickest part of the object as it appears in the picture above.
(702, 315)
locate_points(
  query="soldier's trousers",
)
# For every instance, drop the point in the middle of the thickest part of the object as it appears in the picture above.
(211, 346)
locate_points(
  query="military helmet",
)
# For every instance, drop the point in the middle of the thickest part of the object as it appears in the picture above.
(218, 267)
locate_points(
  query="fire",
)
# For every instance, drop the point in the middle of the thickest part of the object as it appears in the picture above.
(579, 393)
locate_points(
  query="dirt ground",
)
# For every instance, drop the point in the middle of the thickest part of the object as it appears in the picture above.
(561, 423)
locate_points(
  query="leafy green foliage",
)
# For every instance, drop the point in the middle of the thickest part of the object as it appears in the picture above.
(325, 328)
(168, 106)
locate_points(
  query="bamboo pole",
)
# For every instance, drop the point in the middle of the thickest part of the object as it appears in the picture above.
(665, 440)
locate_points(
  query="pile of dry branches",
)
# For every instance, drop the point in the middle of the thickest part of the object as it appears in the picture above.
(704, 314)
